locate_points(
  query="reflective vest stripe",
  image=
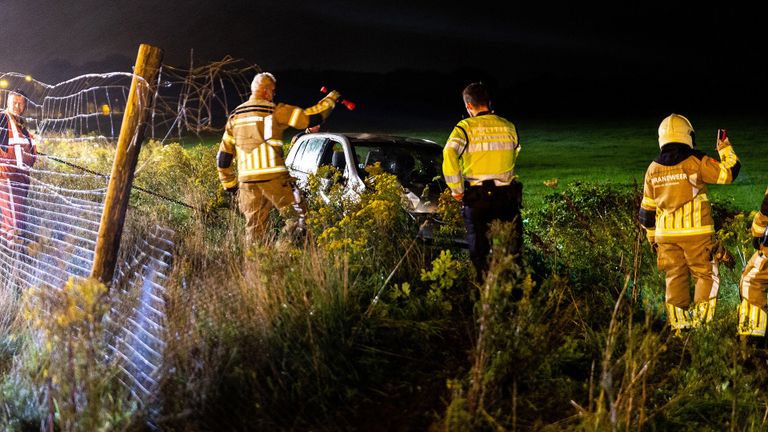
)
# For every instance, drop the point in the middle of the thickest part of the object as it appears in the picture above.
(683, 232)
(453, 179)
(746, 281)
(648, 203)
(295, 116)
(268, 127)
(455, 144)
(678, 218)
(247, 173)
(501, 179)
(757, 229)
(12, 204)
(697, 210)
(722, 178)
(17, 140)
(491, 146)
(247, 120)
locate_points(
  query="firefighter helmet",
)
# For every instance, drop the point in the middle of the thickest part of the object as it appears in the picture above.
(676, 129)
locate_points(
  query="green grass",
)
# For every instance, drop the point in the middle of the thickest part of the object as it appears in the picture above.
(618, 153)
(613, 152)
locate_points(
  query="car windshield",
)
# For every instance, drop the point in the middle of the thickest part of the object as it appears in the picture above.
(414, 165)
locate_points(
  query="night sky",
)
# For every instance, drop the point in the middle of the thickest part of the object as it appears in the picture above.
(537, 55)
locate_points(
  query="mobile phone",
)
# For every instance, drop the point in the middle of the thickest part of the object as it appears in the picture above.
(721, 135)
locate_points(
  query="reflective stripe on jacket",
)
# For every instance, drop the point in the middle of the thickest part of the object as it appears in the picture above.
(487, 151)
(254, 136)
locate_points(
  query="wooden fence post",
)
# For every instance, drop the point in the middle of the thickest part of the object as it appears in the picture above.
(137, 108)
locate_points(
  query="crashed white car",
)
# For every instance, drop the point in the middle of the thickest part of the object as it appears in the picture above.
(417, 164)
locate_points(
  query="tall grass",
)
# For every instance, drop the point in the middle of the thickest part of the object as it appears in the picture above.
(348, 331)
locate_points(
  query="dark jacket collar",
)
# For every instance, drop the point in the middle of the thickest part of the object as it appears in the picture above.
(674, 153)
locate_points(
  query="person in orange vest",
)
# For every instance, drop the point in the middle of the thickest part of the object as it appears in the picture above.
(677, 218)
(254, 137)
(17, 156)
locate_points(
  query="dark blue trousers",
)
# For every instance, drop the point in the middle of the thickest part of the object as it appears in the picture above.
(482, 205)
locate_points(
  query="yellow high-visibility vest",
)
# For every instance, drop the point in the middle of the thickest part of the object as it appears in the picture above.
(484, 147)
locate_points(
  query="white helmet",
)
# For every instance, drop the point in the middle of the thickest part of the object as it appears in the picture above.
(676, 129)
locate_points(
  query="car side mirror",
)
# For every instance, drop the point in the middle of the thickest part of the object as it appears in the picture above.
(338, 161)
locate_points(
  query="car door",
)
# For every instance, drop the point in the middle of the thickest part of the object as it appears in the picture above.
(304, 157)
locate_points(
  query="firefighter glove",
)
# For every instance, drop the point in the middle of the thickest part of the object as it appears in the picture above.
(334, 96)
(723, 144)
(721, 255)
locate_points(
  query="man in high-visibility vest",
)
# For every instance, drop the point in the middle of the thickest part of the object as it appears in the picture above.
(254, 137)
(479, 168)
(677, 217)
(754, 280)
(18, 153)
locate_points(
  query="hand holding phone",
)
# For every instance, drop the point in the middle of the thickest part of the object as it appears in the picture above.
(721, 135)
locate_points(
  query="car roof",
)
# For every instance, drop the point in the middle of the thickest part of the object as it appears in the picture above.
(363, 137)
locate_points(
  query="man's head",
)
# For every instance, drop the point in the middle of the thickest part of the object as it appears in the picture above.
(16, 103)
(476, 98)
(263, 86)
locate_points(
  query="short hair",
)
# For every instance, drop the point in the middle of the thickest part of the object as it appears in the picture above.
(259, 79)
(18, 92)
(477, 94)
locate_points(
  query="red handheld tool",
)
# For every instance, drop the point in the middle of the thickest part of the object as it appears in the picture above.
(347, 104)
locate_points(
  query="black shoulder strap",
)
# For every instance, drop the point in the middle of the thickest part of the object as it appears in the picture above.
(467, 139)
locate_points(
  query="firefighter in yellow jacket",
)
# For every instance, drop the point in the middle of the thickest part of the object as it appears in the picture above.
(677, 216)
(254, 137)
(754, 280)
(479, 168)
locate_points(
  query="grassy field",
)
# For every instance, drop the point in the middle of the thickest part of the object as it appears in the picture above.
(615, 152)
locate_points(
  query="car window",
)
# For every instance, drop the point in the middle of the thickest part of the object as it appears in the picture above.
(295, 153)
(414, 165)
(332, 147)
(307, 157)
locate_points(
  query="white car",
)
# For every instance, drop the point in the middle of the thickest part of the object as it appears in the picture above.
(417, 164)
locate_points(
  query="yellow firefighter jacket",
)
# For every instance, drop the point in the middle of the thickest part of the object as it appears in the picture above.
(760, 221)
(254, 136)
(675, 206)
(484, 147)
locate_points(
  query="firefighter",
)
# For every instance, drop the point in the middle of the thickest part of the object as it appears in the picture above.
(677, 217)
(754, 280)
(17, 156)
(479, 168)
(254, 137)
